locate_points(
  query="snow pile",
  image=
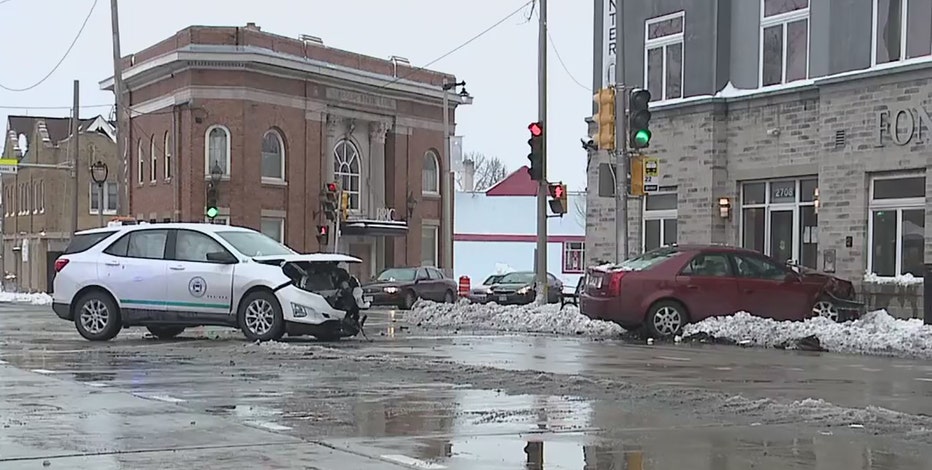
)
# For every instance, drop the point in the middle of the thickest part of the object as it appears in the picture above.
(876, 333)
(513, 318)
(502, 269)
(24, 298)
(901, 280)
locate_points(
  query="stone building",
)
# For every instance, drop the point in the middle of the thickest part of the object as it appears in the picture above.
(37, 200)
(800, 129)
(281, 117)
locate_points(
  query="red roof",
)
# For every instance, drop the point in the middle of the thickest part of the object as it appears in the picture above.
(518, 183)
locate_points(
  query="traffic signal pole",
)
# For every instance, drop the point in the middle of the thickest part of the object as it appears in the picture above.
(542, 187)
(621, 139)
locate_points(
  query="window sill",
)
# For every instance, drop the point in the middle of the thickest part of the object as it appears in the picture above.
(222, 178)
(274, 182)
(431, 195)
(105, 212)
(153, 183)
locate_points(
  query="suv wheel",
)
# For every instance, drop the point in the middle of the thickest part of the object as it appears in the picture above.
(97, 317)
(260, 317)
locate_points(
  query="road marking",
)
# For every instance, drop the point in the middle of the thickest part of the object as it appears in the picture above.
(96, 384)
(269, 426)
(44, 371)
(165, 398)
(671, 358)
(417, 463)
(3, 362)
(924, 379)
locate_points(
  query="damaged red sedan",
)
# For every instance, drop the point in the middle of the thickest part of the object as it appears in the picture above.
(666, 288)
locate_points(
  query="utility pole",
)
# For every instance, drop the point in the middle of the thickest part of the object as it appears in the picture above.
(122, 127)
(75, 148)
(621, 139)
(542, 184)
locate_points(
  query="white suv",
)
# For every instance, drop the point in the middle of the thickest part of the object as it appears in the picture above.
(170, 276)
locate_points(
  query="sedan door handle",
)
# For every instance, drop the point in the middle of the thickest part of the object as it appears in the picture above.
(176, 268)
(691, 287)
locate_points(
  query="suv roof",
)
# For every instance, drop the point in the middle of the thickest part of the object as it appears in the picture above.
(203, 227)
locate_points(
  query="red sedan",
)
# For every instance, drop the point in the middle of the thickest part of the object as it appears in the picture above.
(665, 289)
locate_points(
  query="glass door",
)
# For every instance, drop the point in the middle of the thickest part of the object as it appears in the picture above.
(782, 248)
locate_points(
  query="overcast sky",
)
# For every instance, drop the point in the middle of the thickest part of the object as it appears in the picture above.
(500, 68)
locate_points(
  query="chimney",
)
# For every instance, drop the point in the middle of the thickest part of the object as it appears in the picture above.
(252, 27)
(469, 176)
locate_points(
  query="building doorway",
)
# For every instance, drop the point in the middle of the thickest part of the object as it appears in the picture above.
(780, 219)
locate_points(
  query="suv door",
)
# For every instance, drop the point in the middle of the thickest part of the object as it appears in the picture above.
(707, 286)
(135, 270)
(198, 289)
(767, 289)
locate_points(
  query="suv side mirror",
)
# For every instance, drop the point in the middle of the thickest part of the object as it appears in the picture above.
(221, 257)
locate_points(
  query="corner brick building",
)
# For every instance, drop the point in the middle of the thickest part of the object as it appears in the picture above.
(810, 121)
(282, 117)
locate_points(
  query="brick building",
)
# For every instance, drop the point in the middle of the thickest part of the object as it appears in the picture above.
(281, 117)
(37, 206)
(799, 131)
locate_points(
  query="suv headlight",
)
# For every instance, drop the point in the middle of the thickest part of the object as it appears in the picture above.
(301, 311)
(390, 290)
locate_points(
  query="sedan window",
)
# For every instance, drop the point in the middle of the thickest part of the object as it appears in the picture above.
(397, 274)
(708, 265)
(759, 268)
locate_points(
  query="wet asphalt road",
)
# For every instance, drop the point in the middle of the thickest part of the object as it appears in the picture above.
(431, 399)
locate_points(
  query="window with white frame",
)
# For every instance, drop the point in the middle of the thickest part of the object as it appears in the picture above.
(273, 156)
(217, 150)
(430, 174)
(110, 197)
(896, 232)
(154, 161)
(168, 156)
(784, 41)
(40, 197)
(429, 245)
(663, 56)
(273, 227)
(574, 255)
(140, 163)
(660, 218)
(780, 219)
(347, 171)
(900, 30)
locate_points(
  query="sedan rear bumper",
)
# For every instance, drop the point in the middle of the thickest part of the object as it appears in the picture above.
(609, 309)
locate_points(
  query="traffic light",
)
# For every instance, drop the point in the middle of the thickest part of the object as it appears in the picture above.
(557, 198)
(329, 201)
(344, 205)
(636, 168)
(639, 118)
(536, 169)
(323, 235)
(211, 209)
(605, 119)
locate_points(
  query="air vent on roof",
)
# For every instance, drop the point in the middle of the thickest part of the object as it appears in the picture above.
(398, 60)
(308, 39)
(840, 138)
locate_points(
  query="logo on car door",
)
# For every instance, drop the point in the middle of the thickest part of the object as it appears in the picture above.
(197, 286)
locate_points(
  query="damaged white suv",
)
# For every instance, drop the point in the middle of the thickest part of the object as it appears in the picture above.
(167, 277)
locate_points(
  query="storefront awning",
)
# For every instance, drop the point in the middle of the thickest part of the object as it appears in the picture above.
(374, 228)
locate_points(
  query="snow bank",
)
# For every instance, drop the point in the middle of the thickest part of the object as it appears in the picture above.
(901, 280)
(34, 299)
(877, 333)
(513, 318)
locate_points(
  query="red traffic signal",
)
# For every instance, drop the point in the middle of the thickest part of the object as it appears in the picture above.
(332, 187)
(536, 128)
(321, 230)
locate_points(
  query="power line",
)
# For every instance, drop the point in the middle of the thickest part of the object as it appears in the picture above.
(87, 106)
(65, 56)
(457, 48)
(563, 64)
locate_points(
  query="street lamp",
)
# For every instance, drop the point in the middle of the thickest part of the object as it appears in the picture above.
(446, 188)
(216, 173)
(99, 173)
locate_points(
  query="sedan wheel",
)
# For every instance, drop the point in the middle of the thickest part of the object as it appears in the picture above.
(666, 319)
(826, 309)
(261, 318)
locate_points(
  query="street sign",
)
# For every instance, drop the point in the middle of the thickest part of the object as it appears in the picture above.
(651, 175)
(8, 166)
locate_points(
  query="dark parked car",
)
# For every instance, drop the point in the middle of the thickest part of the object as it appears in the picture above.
(480, 293)
(401, 287)
(666, 288)
(517, 288)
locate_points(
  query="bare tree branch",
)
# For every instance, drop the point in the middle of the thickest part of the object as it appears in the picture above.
(489, 171)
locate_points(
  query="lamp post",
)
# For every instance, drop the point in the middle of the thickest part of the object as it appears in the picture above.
(447, 192)
(99, 173)
(216, 173)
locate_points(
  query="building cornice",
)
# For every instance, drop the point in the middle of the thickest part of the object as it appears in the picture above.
(267, 61)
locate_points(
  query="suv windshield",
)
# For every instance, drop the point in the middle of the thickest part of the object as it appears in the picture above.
(649, 260)
(255, 244)
(517, 278)
(397, 274)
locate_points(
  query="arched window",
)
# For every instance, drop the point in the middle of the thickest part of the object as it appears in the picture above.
(154, 157)
(430, 174)
(168, 156)
(273, 156)
(217, 150)
(140, 163)
(346, 170)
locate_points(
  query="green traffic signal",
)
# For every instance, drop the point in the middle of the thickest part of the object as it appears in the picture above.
(642, 137)
(212, 212)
